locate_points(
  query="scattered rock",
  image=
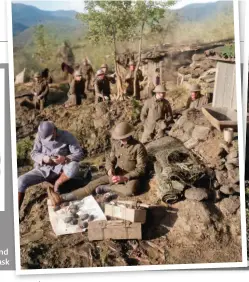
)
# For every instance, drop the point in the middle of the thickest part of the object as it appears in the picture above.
(227, 190)
(234, 161)
(233, 176)
(191, 143)
(229, 166)
(232, 155)
(200, 132)
(221, 177)
(230, 205)
(188, 127)
(196, 194)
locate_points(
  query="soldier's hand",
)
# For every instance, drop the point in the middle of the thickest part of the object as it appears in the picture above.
(110, 172)
(59, 159)
(47, 160)
(119, 179)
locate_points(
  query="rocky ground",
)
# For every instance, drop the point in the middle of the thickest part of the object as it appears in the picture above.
(203, 226)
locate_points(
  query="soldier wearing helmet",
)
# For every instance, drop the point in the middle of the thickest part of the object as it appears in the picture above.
(88, 74)
(156, 115)
(125, 166)
(40, 90)
(129, 79)
(77, 90)
(102, 86)
(56, 154)
(196, 100)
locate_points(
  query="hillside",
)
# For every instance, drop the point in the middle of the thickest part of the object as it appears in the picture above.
(202, 12)
(63, 24)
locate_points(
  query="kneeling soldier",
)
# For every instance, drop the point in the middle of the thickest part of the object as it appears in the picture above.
(40, 91)
(196, 100)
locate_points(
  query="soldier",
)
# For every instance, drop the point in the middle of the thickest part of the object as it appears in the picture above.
(111, 77)
(76, 90)
(40, 91)
(125, 167)
(196, 100)
(156, 115)
(129, 79)
(102, 87)
(88, 74)
(56, 154)
(66, 54)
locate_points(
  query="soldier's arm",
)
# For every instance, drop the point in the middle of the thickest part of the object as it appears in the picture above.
(36, 154)
(96, 89)
(188, 103)
(111, 160)
(76, 152)
(169, 111)
(142, 159)
(45, 90)
(72, 88)
(144, 112)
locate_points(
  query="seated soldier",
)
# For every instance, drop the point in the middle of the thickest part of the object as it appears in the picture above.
(76, 90)
(40, 90)
(156, 115)
(125, 167)
(102, 87)
(56, 154)
(196, 100)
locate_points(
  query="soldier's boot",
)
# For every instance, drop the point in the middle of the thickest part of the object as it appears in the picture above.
(87, 190)
(62, 179)
(20, 199)
(128, 189)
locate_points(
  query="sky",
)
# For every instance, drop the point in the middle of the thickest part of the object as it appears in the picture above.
(78, 5)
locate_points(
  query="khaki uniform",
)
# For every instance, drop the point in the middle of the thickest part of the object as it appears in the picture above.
(88, 75)
(129, 79)
(76, 92)
(128, 160)
(40, 89)
(198, 103)
(155, 116)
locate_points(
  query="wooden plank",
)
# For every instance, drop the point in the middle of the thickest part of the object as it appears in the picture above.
(225, 86)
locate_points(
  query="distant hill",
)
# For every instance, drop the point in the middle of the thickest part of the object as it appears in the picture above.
(202, 12)
(63, 24)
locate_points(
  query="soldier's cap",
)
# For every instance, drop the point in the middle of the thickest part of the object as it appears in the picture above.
(195, 88)
(100, 72)
(159, 89)
(122, 131)
(103, 66)
(77, 73)
(46, 130)
(37, 74)
(132, 63)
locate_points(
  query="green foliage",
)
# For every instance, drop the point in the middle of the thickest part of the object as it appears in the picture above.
(136, 110)
(43, 44)
(228, 51)
(107, 20)
(24, 147)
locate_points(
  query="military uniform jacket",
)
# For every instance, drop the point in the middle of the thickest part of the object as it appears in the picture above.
(198, 103)
(102, 86)
(130, 158)
(129, 79)
(155, 110)
(77, 88)
(65, 144)
(40, 88)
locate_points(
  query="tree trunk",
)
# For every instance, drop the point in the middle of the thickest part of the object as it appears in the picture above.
(138, 62)
(120, 95)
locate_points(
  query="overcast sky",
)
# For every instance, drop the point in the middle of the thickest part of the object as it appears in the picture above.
(78, 5)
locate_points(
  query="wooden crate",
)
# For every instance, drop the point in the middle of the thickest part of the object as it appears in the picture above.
(116, 230)
(125, 213)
